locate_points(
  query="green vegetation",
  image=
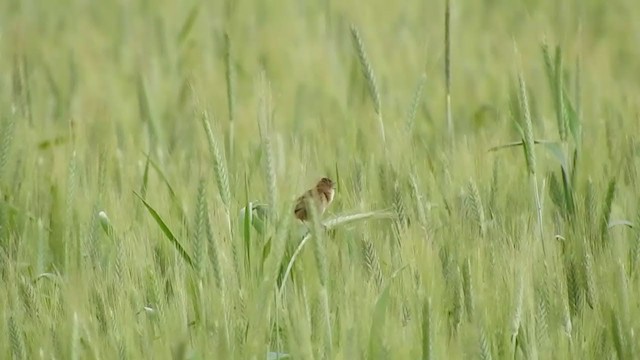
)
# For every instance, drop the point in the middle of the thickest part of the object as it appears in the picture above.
(488, 201)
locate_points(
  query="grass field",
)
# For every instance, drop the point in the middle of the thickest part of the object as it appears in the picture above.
(151, 151)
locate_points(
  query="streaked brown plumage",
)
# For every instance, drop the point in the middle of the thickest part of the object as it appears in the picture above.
(322, 195)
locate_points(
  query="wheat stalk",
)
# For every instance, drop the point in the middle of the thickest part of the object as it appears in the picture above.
(231, 92)
(529, 151)
(264, 123)
(467, 287)
(6, 140)
(485, 346)
(199, 245)
(417, 195)
(447, 69)
(413, 108)
(457, 300)
(16, 339)
(220, 170)
(371, 261)
(372, 84)
(516, 321)
(474, 203)
(427, 330)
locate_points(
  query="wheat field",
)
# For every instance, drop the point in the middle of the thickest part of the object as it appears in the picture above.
(486, 158)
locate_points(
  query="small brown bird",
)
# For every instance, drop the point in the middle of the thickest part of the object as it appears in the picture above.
(322, 195)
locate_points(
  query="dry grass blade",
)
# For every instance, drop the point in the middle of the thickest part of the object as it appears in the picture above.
(350, 218)
(614, 223)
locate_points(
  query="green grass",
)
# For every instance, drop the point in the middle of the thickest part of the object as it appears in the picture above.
(150, 154)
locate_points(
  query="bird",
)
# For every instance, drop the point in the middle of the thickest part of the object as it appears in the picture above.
(321, 195)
